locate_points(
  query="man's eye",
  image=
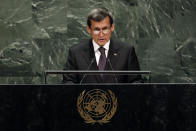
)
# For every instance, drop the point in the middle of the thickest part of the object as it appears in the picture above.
(105, 28)
(96, 29)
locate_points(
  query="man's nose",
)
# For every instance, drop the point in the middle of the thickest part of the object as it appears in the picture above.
(101, 33)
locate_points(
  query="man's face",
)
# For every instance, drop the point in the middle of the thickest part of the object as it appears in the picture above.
(101, 31)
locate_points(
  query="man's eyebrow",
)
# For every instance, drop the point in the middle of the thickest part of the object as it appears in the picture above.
(97, 28)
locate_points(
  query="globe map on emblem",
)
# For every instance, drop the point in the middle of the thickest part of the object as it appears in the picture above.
(97, 103)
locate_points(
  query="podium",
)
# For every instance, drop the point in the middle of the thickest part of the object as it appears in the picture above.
(134, 107)
(87, 73)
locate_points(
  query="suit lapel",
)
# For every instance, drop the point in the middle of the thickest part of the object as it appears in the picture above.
(89, 56)
(112, 56)
(112, 59)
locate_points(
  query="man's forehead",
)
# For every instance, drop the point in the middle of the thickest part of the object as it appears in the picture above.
(102, 23)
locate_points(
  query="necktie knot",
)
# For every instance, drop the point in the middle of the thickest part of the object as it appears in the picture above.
(102, 50)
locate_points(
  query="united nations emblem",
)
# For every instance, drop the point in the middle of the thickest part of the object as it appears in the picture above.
(97, 106)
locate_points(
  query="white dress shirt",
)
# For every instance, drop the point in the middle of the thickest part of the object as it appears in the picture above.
(97, 52)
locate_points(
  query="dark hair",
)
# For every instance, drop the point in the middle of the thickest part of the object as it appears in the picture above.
(98, 15)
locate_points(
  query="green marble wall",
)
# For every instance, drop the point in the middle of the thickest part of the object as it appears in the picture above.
(35, 35)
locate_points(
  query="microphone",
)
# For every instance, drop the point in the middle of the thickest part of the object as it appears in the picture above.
(116, 80)
(84, 76)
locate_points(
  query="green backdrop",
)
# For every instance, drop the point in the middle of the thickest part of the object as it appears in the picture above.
(35, 35)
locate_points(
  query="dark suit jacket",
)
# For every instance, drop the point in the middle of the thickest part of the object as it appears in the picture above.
(120, 55)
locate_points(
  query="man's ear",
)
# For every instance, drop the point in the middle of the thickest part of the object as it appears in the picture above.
(88, 29)
(112, 28)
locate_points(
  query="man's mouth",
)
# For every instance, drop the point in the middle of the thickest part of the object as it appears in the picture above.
(101, 40)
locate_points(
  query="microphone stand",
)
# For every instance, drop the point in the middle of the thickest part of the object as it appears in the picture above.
(87, 69)
(116, 80)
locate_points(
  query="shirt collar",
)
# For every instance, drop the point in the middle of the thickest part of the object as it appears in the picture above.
(96, 46)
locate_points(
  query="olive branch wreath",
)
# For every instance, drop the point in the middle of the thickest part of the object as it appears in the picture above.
(110, 114)
(84, 115)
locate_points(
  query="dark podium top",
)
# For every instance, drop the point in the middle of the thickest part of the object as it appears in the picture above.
(127, 107)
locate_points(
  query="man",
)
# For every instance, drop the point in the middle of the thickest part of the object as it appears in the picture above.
(101, 53)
